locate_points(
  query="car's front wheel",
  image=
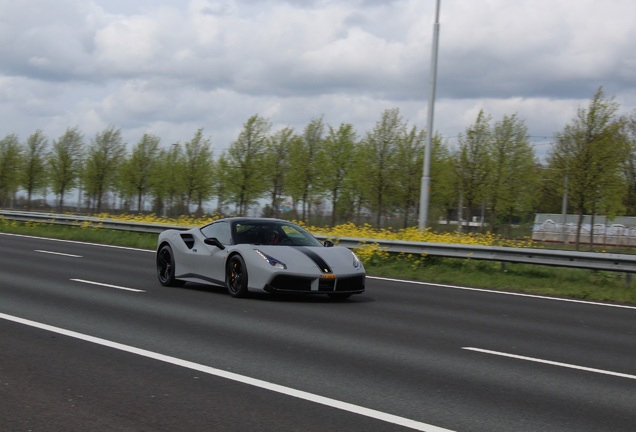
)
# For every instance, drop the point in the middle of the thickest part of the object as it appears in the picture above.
(165, 267)
(236, 277)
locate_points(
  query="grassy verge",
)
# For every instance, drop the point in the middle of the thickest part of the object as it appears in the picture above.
(553, 281)
(81, 233)
(581, 284)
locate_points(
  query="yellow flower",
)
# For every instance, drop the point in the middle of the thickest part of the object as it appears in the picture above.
(349, 229)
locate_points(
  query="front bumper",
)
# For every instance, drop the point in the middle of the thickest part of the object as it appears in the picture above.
(350, 284)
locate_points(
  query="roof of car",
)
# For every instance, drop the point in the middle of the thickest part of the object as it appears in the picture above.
(252, 219)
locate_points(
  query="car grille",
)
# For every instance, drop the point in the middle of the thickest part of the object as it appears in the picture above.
(350, 283)
(300, 284)
(290, 283)
(326, 284)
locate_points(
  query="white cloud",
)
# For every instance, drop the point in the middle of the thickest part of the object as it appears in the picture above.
(169, 67)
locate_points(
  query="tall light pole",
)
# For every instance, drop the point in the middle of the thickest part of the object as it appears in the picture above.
(426, 176)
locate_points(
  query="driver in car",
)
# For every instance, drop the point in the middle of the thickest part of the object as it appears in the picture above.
(270, 237)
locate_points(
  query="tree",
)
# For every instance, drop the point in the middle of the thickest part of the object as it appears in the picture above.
(303, 177)
(165, 182)
(276, 164)
(64, 161)
(407, 173)
(629, 131)
(102, 163)
(197, 176)
(444, 184)
(337, 159)
(379, 150)
(223, 179)
(10, 160)
(33, 173)
(137, 170)
(472, 163)
(513, 179)
(245, 159)
(354, 197)
(591, 151)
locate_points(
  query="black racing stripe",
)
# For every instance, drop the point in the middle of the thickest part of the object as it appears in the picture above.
(322, 265)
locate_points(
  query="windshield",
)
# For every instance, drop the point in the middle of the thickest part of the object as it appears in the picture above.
(272, 233)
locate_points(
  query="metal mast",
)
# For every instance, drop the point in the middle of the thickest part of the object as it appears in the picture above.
(426, 177)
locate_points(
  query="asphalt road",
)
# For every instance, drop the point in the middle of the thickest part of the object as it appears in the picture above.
(89, 340)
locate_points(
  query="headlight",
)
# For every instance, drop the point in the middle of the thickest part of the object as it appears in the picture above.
(356, 261)
(271, 260)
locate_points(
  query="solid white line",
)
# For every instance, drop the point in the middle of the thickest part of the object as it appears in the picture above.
(356, 409)
(107, 285)
(58, 253)
(505, 293)
(553, 363)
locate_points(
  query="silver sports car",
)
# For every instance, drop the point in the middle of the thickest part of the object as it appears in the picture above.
(258, 254)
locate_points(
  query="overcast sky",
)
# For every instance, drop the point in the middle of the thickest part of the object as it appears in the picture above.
(169, 67)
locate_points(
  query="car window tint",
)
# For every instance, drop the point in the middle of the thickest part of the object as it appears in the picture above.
(300, 237)
(244, 233)
(220, 230)
(224, 234)
(292, 232)
(288, 234)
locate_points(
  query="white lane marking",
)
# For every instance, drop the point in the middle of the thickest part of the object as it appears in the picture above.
(107, 285)
(356, 409)
(553, 363)
(58, 253)
(505, 293)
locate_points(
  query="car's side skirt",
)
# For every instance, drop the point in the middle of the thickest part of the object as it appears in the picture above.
(192, 276)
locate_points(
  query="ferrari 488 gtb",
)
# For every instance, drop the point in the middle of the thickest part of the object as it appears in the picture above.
(258, 254)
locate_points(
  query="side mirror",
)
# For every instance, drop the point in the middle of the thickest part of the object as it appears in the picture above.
(213, 241)
(328, 243)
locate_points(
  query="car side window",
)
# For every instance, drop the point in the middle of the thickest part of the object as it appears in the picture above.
(220, 230)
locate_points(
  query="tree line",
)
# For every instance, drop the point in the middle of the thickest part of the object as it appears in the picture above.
(491, 173)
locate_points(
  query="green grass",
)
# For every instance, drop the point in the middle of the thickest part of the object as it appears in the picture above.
(581, 284)
(543, 280)
(84, 234)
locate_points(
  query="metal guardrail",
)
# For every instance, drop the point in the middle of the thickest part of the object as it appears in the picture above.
(585, 260)
(76, 220)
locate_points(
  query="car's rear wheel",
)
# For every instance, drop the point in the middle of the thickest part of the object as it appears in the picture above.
(236, 277)
(165, 267)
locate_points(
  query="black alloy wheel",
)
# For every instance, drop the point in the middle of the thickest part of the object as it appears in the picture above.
(165, 267)
(236, 277)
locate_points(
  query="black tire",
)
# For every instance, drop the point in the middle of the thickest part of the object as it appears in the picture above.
(165, 267)
(236, 277)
